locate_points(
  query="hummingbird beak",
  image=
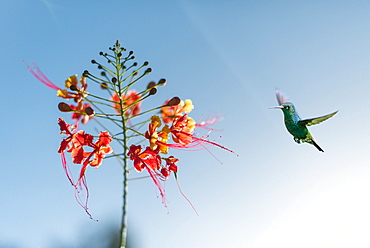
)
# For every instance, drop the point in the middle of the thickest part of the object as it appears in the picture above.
(276, 107)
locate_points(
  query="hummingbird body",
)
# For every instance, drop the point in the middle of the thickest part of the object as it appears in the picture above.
(295, 125)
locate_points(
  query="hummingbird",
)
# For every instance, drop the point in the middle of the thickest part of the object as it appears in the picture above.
(295, 125)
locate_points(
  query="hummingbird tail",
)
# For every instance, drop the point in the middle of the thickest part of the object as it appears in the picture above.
(317, 146)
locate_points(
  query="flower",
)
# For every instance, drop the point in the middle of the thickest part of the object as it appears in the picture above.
(170, 166)
(74, 143)
(130, 102)
(72, 83)
(148, 159)
(182, 129)
(64, 93)
(169, 113)
(157, 139)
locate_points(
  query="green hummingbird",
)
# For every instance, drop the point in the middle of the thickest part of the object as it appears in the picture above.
(295, 125)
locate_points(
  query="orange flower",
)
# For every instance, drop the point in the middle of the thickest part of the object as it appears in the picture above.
(169, 113)
(80, 92)
(182, 130)
(157, 139)
(130, 102)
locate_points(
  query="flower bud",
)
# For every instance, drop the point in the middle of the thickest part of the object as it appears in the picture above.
(89, 111)
(64, 107)
(114, 80)
(85, 73)
(146, 63)
(174, 101)
(93, 61)
(103, 86)
(162, 81)
(151, 85)
(147, 71)
(73, 87)
(152, 91)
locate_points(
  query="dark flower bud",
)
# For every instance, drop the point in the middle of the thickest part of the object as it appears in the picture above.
(73, 87)
(93, 61)
(174, 101)
(147, 71)
(162, 81)
(89, 111)
(103, 86)
(130, 53)
(152, 91)
(64, 107)
(134, 64)
(146, 63)
(103, 73)
(151, 85)
(85, 73)
(119, 55)
(114, 80)
(101, 53)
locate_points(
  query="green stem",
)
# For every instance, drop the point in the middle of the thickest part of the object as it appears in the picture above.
(123, 238)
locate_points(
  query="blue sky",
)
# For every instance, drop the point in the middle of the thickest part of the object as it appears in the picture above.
(228, 57)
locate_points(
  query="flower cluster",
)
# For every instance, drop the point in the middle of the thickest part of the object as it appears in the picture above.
(180, 129)
(169, 127)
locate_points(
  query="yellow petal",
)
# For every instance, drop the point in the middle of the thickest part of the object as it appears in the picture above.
(72, 80)
(188, 106)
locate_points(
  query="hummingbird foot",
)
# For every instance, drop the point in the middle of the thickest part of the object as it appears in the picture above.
(297, 140)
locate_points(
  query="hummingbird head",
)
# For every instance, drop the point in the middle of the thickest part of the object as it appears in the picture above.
(288, 109)
(286, 106)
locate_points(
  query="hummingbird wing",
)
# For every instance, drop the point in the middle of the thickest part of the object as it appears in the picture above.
(281, 98)
(317, 120)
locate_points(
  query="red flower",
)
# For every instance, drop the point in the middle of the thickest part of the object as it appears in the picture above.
(170, 166)
(151, 161)
(147, 159)
(75, 143)
(130, 102)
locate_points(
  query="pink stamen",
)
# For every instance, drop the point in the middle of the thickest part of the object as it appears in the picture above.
(37, 73)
